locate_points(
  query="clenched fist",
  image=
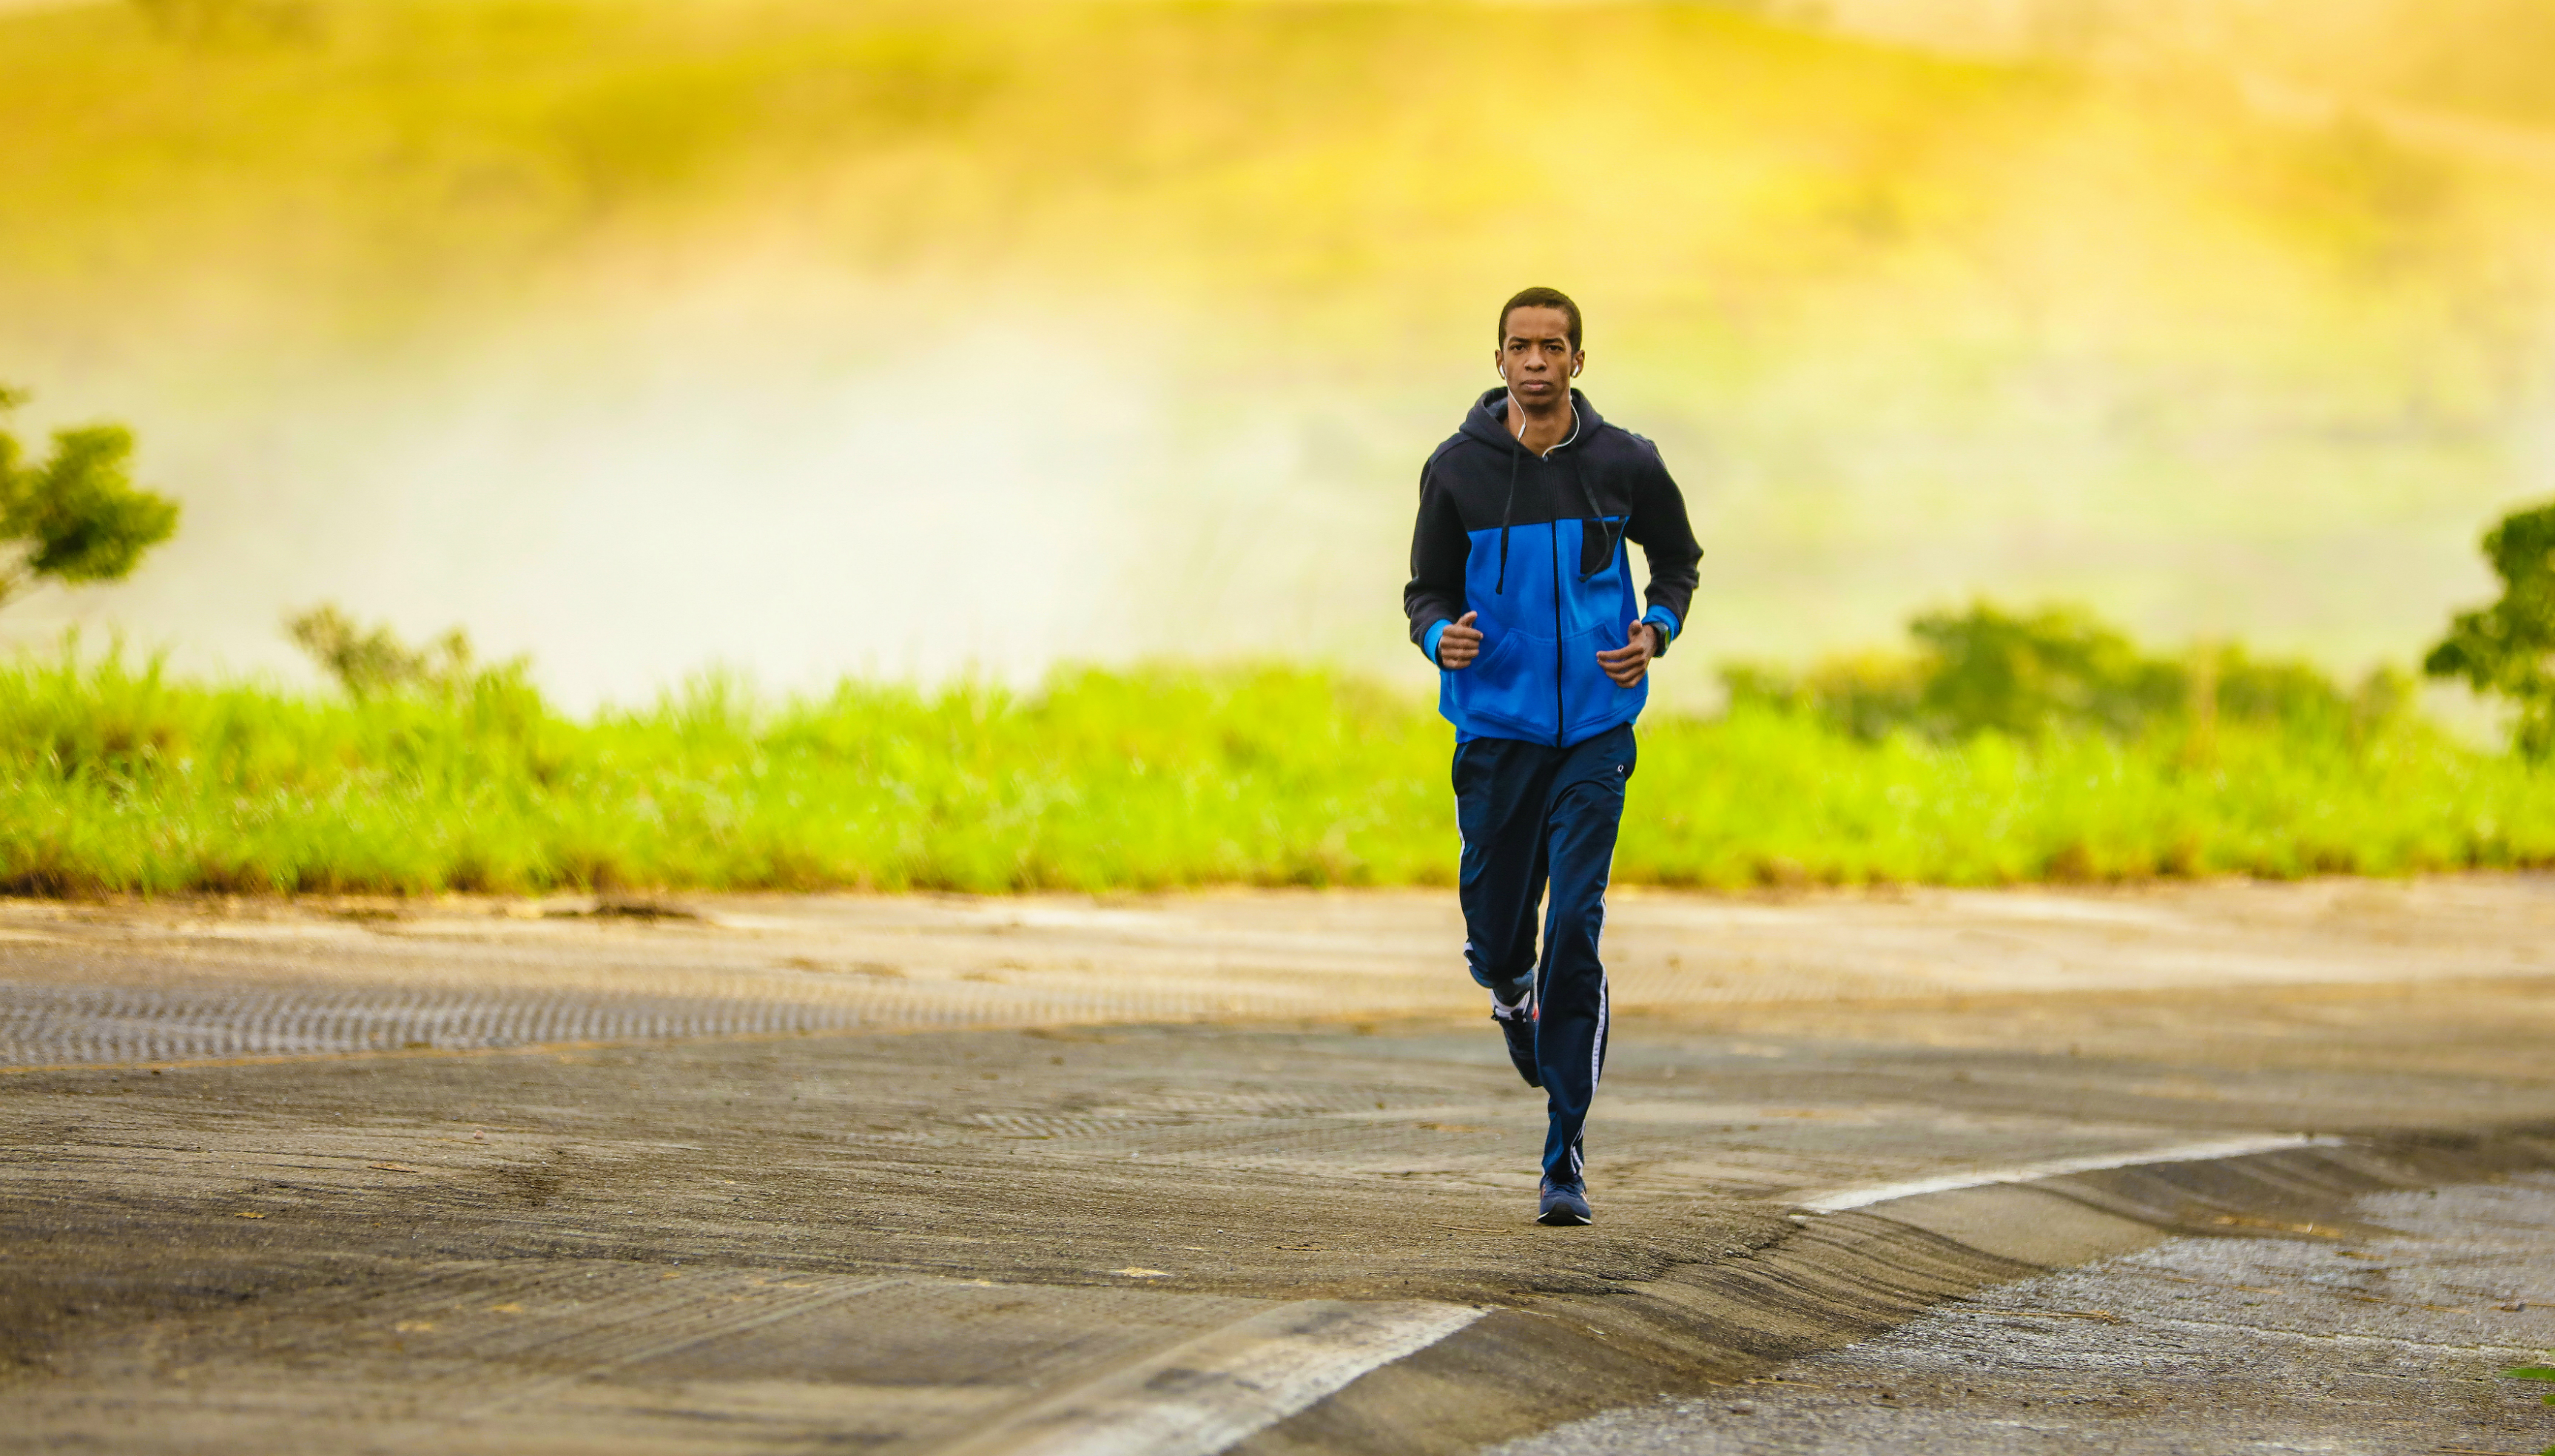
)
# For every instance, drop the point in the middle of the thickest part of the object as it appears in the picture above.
(1629, 663)
(1460, 642)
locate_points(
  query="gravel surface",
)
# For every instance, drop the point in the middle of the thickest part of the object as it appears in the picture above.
(2380, 1345)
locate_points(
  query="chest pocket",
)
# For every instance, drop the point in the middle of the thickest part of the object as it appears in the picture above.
(1597, 542)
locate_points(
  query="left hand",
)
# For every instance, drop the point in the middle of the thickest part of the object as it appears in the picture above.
(1629, 663)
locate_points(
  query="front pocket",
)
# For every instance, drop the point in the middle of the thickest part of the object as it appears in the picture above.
(1511, 682)
(1590, 697)
(1597, 546)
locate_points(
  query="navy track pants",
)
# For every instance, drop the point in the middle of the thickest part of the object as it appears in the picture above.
(1534, 816)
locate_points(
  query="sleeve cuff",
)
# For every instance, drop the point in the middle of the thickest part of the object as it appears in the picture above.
(1429, 639)
(1667, 622)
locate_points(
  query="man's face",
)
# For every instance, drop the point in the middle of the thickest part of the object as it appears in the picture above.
(1536, 355)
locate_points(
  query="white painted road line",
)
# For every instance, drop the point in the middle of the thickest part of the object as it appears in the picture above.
(1198, 1397)
(1840, 1199)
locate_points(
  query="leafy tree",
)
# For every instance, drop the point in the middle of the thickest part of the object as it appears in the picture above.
(2509, 647)
(77, 517)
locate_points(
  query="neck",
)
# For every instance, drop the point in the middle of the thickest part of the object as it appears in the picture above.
(1539, 429)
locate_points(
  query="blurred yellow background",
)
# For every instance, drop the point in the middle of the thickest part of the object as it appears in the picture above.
(911, 338)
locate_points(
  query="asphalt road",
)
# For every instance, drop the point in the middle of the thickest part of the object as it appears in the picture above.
(1189, 1175)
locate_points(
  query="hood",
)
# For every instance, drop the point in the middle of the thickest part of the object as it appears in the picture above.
(1488, 420)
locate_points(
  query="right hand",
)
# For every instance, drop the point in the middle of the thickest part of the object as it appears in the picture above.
(1459, 644)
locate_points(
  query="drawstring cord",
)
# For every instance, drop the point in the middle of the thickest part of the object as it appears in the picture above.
(1507, 515)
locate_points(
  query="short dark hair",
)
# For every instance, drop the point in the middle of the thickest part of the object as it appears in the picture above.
(1539, 299)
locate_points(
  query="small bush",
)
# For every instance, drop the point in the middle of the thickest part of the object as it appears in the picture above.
(2058, 669)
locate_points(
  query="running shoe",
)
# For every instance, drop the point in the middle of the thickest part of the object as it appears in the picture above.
(1566, 1205)
(1518, 1026)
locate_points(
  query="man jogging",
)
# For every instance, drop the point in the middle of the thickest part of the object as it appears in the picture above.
(1521, 593)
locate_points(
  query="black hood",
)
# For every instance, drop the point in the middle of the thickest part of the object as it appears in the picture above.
(1488, 421)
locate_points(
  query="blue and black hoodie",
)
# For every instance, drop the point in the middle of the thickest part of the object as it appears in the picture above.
(1534, 544)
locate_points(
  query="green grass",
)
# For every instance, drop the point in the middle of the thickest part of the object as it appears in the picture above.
(118, 779)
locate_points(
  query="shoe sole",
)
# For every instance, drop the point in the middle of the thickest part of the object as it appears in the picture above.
(1563, 1218)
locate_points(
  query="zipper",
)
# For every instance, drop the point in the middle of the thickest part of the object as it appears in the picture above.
(1560, 718)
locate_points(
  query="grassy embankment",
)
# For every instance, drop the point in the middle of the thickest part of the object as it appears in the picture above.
(115, 779)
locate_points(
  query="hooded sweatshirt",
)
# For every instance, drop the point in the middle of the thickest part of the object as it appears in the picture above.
(1535, 545)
